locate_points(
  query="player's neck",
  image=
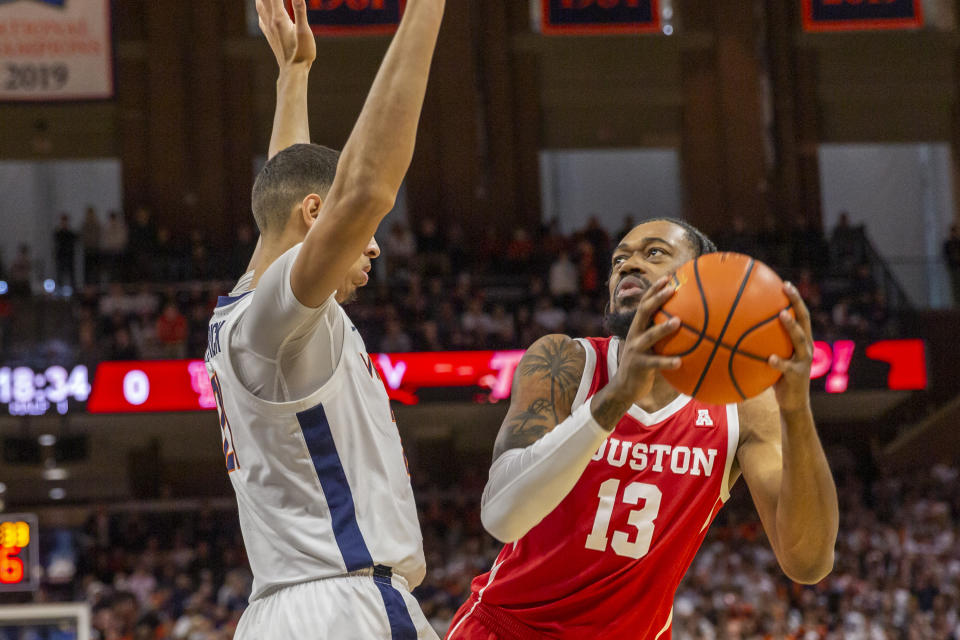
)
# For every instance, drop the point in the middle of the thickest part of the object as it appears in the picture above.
(660, 396)
(273, 247)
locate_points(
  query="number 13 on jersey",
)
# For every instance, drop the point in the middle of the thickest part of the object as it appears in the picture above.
(641, 519)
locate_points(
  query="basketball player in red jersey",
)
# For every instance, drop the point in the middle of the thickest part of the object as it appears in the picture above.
(605, 479)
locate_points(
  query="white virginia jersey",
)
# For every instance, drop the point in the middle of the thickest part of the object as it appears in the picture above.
(322, 484)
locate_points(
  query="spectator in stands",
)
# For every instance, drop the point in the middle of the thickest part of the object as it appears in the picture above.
(199, 264)
(490, 251)
(502, 330)
(951, 252)
(123, 347)
(428, 337)
(399, 249)
(197, 330)
(166, 258)
(475, 320)
(599, 239)
(395, 339)
(171, 332)
(458, 249)
(242, 250)
(583, 320)
(809, 289)
(846, 244)
(113, 245)
(587, 266)
(520, 252)
(21, 272)
(64, 252)
(564, 280)
(548, 316)
(809, 246)
(431, 248)
(90, 240)
(142, 244)
(88, 350)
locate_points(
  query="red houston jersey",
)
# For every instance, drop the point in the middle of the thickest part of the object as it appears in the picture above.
(607, 561)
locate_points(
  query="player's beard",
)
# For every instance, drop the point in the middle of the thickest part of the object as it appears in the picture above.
(617, 323)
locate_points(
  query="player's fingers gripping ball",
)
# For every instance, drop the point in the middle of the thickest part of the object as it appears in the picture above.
(729, 306)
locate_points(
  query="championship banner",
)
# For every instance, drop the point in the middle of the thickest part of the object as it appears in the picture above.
(861, 15)
(600, 17)
(55, 50)
(353, 17)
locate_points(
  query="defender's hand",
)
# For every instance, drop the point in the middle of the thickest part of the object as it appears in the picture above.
(637, 364)
(793, 389)
(293, 44)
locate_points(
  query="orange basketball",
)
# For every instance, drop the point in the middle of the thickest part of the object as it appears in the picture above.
(729, 305)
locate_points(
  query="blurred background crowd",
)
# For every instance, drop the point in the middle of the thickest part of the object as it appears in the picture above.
(182, 575)
(142, 292)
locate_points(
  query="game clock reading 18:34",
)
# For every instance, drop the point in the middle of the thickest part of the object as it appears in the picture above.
(19, 552)
(26, 392)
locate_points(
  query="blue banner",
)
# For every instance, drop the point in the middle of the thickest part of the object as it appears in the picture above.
(600, 16)
(349, 17)
(859, 15)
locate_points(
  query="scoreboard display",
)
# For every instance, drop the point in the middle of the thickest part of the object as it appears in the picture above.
(600, 17)
(862, 15)
(353, 17)
(19, 552)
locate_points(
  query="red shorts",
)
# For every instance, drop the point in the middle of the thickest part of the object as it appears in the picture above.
(477, 621)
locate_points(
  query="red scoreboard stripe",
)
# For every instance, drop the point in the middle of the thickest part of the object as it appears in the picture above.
(183, 385)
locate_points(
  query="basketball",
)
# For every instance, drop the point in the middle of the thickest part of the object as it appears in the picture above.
(728, 304)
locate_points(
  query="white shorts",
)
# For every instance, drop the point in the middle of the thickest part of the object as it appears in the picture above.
(361, 607)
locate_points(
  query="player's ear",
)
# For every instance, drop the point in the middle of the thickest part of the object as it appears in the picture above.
(310, 209)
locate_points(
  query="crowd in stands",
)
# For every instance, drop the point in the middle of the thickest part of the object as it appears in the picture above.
(183, 576)
(145, 294)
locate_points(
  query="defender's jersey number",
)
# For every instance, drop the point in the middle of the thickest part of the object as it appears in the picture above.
(641, 519)
(226, 432)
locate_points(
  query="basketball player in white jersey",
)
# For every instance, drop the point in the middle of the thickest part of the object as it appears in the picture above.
(324, 498)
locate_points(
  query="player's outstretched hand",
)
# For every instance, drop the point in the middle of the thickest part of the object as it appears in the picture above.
(638, 364)
(793, 389)
(292, 42)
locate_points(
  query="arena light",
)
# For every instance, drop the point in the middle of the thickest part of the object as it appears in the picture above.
(55, 474)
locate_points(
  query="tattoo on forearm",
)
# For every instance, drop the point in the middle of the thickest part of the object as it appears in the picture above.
(554, 364)
(528, 426)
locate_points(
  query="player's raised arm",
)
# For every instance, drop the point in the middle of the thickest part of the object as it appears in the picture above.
(295, 49)
(543, 447)
(784, 465)
(374, 160)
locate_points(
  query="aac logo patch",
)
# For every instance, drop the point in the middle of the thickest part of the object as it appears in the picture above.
(703, 418)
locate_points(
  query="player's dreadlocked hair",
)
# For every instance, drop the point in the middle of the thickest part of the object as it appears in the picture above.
(697, 239)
